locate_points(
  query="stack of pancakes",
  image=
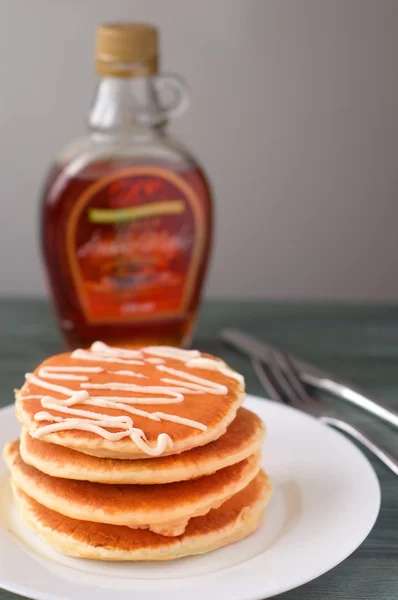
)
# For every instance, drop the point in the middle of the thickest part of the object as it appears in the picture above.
(139, 454)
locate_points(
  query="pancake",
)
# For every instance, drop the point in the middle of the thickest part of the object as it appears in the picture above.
(234, 520)
(243, 438)
(166, 508)
(130, 404)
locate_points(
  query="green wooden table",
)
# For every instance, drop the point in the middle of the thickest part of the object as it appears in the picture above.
(359, 342)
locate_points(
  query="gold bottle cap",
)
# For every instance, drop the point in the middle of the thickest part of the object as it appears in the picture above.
(126, 50)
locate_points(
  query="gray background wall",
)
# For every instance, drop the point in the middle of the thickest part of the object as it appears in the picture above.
(294, 114)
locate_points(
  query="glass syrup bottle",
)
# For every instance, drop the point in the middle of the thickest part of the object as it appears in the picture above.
(127, 212)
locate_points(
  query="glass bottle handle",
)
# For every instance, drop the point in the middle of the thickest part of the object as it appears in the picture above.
(176, 89)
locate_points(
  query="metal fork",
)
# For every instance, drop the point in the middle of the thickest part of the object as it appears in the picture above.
(280, 377)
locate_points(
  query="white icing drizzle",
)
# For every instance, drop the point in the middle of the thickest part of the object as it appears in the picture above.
(181, 420)
(176, 395)
(198, 383)
(52, 387)
(70, 417)
(76, 397)
(192, 358)
(87, 355)
(155, 361)
(102, 348)
(114, 421)
(214, 365)
(65, 372)
(106, 403)
(96, 426)
(171, 352)
(127, 400)
(128, 374)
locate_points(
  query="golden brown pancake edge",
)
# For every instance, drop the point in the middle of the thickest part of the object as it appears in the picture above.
(234, 520)
(243, 437)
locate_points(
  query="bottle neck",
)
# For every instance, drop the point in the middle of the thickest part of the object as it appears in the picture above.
(123, 103)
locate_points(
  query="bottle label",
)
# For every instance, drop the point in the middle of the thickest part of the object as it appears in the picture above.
(134, 245)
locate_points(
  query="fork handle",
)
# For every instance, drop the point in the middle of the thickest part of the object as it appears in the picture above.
(384, 456)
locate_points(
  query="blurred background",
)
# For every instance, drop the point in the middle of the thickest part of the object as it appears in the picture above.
(293, 115)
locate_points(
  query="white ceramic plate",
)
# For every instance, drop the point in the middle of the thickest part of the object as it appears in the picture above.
(325, 502)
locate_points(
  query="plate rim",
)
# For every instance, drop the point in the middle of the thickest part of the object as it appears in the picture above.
(252, 402)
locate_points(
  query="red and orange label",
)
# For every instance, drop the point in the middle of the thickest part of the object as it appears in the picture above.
(134, 244)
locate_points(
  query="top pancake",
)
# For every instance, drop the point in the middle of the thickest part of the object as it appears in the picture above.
(204, 390)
